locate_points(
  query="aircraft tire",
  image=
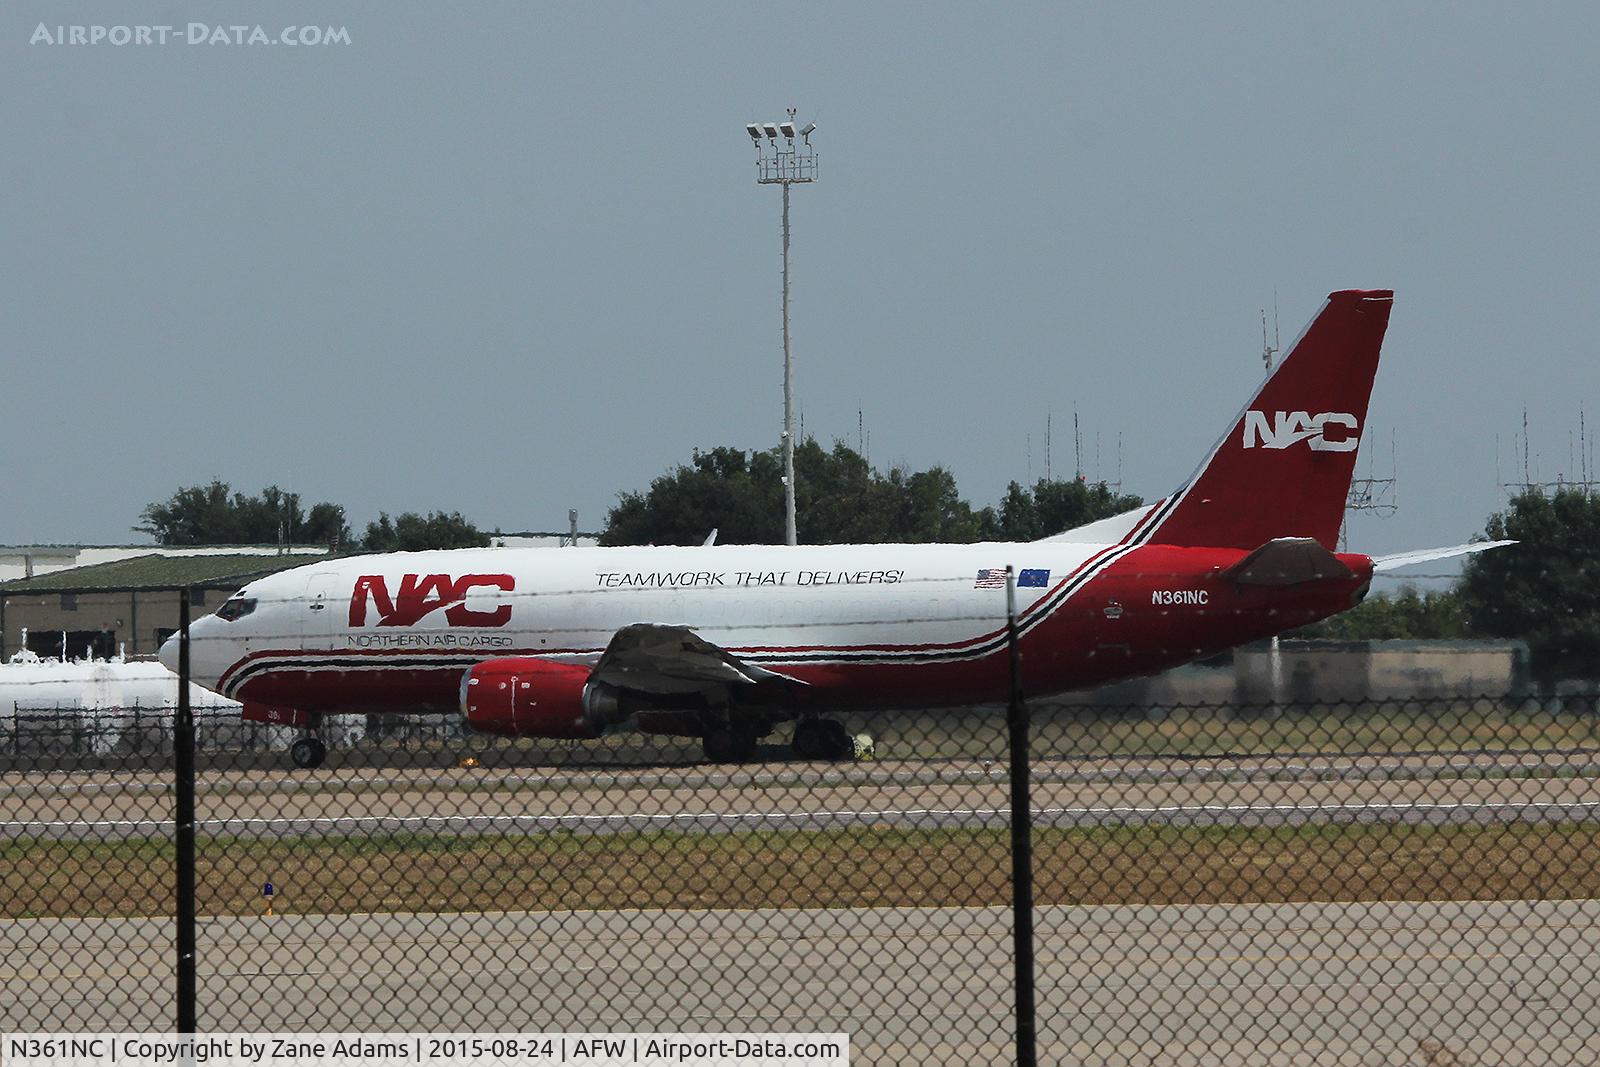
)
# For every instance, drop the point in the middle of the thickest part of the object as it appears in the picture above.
(836, 741)
(821, 739)
(308, 752)
(808, 742)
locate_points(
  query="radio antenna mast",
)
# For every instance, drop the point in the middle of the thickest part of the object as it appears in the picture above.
(1077, 447)
(1270, 350)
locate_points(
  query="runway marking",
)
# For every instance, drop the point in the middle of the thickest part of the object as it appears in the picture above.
(1590, 809)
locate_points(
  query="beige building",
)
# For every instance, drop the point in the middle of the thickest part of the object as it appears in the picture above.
(1309, 671)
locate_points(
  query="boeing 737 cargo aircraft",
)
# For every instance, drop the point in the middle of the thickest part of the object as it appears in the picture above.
(725, 643)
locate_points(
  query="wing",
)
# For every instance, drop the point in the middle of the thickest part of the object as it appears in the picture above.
(650, 658)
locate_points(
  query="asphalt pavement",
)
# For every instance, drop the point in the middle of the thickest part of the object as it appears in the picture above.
(1504, 983)
(1419, 790)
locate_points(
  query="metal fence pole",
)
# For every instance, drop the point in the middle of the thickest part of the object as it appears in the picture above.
(1021, 840)
(183, 764)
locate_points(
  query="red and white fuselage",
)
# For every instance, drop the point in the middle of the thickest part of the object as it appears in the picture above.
(861, 625)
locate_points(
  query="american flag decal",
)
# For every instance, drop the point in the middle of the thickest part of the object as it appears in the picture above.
(990, 578)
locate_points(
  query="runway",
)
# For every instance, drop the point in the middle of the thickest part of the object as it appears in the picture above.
(1467, 789)
(1504, 983)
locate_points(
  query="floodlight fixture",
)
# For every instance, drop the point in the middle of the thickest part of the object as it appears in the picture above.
(787, 129)
(809, 129)
(754, 131)
(771, 130)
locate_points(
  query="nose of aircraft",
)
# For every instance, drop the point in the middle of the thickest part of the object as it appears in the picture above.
(203, 653)
(169, 654)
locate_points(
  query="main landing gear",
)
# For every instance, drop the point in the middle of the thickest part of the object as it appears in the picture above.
(309, 751)
(730, 744)
(814, 739)
(822, 739)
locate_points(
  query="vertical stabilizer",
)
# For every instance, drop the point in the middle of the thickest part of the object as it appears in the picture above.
(1283, 468)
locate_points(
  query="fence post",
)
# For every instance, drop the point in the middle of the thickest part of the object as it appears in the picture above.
(183, 791)
(1021, 840)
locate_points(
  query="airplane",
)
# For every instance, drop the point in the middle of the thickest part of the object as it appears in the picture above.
(725, 643)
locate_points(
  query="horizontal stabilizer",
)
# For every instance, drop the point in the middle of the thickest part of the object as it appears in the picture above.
(1288, 561)
(1425, 555)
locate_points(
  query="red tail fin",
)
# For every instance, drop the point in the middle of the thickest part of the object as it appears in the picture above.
(1283, 468)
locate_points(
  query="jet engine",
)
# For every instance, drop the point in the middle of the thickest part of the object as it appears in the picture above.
(531, 697)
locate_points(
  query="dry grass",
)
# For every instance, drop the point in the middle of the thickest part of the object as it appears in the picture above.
(858, 868)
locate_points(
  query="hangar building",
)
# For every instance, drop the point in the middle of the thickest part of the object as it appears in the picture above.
(128, 604)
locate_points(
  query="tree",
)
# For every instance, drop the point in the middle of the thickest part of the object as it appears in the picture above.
(839, 499)
(737, 493)
(1054, 506)
(411, 532)
(215, 515)
(1545, 589)
(1406, 615)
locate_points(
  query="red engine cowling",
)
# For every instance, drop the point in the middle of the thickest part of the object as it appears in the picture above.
(528, 697)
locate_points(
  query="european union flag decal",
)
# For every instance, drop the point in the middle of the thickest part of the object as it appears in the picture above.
(1033, 579)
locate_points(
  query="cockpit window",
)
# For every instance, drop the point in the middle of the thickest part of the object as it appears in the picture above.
(236, 608)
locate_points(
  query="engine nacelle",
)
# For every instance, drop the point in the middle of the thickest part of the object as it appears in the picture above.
(531, 697)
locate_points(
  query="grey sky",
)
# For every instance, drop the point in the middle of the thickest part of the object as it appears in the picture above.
(514, 260)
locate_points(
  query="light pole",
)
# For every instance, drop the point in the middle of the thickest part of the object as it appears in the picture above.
(787, 164)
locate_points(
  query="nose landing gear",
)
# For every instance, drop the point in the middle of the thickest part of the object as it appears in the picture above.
(309, 751)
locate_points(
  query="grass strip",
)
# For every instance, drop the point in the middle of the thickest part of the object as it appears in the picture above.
(857, 867)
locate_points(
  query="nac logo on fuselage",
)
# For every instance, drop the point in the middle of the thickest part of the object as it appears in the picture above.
(420, 595)
(1291, 427)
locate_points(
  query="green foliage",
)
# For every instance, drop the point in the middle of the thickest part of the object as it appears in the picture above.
(411, 532)
(1052, 507)
(1406, 615)
(1546, 589)
(727, 489)
(839, 499)
(214, 515)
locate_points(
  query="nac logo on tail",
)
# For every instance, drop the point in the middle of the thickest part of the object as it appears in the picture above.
(1329, 431)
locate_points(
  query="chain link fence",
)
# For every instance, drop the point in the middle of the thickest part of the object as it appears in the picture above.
(1408, 882)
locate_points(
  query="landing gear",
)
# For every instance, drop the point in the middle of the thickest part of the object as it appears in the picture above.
(308, 752)
(730, 744)
(822, 739)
